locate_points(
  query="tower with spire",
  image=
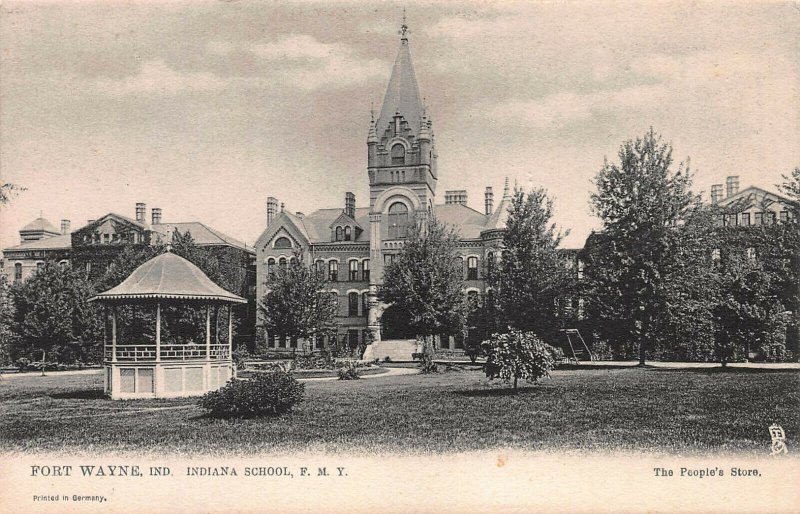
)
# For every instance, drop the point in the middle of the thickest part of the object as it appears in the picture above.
(400, 146)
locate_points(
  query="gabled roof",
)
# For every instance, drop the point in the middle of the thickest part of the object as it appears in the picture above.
(59, 242)
(202, 234)
(168, 276)
(344, 219)
(318, 224)
(402, 94)
(112, 215)
(754, 195)
(40, 225)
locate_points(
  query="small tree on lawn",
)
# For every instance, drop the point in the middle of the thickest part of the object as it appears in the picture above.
(531, 273)
(517, 355)
(7, 333)
(426, 282)
(298, 303)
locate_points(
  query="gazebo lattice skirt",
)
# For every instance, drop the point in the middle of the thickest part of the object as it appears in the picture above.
(131, 379)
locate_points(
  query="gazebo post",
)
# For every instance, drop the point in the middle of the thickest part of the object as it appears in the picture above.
(230, 331)
(208, 332)
(114, 333)
(158, 332)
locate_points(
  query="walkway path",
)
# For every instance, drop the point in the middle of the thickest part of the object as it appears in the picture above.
(393, 372)
(680, 365)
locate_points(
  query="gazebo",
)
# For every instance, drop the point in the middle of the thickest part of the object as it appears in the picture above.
(166, 363)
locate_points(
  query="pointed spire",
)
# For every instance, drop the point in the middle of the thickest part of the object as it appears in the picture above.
(402, 94)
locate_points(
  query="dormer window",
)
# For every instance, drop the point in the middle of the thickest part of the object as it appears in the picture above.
(398, 155)
(347, 233)
(339, 233)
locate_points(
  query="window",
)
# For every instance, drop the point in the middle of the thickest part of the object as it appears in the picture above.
(472, 300)
(39, 266)
(352, 339)
(282, 243)
(365, 270)
(745, 219)
(347, 233)
(270, 269)
(353, 266)
(17, 272)
(364, 304)
(472, 268)
(580, 269)
(398, 221)
(320, 266)
(282, 263)
(581, 306)
(105, 238)
(459, 264)
(339, 233)
(63, 264)
(398, 155)
(335, 297)
(784, 216)
(489, 263)
(769, 218)
(388, 259)
(751, 255)
(759, 218)
(333, 271)
(352, 304)
(88, 268)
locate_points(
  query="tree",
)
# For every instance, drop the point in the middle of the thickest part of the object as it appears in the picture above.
(8, 191)
(53, 315)
(7, 327)
(298, 304)
(531, 273)
(517, 355)
(426, 283)
(641, 202)
(791, 188)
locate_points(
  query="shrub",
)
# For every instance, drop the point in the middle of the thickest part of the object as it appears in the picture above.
(473, 352)
(270, 393)
(349, 372)
(427, 364)
(516, 355)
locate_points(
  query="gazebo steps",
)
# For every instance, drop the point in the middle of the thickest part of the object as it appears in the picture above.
(397, 350)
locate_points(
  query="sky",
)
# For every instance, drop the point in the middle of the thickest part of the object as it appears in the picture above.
(206, 108)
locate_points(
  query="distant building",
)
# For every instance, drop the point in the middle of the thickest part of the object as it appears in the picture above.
(95, 245)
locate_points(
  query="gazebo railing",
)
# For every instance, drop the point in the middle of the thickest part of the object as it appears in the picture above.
(169, 352)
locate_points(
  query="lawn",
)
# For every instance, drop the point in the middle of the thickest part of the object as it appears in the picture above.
(690, 411)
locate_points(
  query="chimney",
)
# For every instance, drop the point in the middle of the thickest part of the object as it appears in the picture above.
(455, 197)
(65, 226)
(488, 200)
(156, 215)
(350, 204)
(716, 193)
(140, 212)
(272, 209)
(732, 185)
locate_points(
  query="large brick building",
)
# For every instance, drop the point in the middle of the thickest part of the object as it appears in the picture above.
(352, 243)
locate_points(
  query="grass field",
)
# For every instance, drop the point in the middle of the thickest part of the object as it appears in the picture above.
(635, 409)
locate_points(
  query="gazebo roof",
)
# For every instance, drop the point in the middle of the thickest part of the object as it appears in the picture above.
(168, 276)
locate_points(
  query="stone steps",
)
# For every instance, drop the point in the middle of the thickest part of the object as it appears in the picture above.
(398, 350)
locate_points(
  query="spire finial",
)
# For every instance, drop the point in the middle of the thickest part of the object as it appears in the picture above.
(404, 27)
(372, 110)
(505, 189)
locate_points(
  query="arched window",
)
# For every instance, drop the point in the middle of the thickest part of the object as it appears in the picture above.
(364, 304)
(17, 272)
(282, 243)
(347, 233)
(282, 263)
(333, 271)
(352, 304)
(320, 266)
(398, 155)
(335, 298)
(353, 270)
(472, 268)
(64, 264)
(365, 270)
(270, 269)
(398, 221)
(338, 233)
(459, 264)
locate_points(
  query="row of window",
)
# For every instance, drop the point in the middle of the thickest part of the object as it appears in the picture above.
(344, 234)
(125, 237)
(351, 340)
(358, 271)
(39, 265)
(743, 219)
(749, 253)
